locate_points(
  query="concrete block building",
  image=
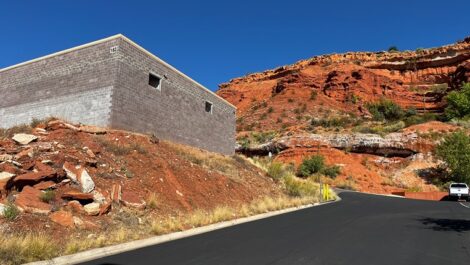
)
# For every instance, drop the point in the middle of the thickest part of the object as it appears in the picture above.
(116, 83)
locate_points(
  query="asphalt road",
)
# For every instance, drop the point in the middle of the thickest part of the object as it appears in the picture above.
(361, 229)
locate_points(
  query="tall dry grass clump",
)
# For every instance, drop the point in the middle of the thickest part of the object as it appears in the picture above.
(21, 249)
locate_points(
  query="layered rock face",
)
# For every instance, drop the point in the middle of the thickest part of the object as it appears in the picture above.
(343, 83)
(303, 105)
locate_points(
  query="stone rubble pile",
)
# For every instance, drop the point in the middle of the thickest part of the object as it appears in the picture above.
(31, 168)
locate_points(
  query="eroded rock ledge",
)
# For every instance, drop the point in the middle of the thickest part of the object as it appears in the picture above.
(401, 144)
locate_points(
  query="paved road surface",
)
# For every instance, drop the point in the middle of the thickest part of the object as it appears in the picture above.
(361, 229)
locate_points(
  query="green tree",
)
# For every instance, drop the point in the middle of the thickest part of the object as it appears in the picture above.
(455, 151)
(393, 49)
(458, 103)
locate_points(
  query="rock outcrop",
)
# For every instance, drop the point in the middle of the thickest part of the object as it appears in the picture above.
(400, 144)
(344, 83)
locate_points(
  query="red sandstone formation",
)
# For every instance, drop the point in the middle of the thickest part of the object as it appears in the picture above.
(286, 99)
(343, 83)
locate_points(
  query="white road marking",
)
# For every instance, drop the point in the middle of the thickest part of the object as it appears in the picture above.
(466, 206)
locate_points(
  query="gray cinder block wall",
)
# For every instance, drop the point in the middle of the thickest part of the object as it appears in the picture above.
(106, 83)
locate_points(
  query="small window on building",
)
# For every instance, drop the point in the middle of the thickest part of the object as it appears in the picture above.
(208, 107)
(155, 81)
(113, 49)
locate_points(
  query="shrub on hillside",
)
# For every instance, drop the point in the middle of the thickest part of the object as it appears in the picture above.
(385, 109)
(312, 165)
(458, 103)
(276, 170)
(455, 150)
(47, 195)
(263, 137)
(422, 118)
(332, 122)
(11, 211)
(332, 171)
(316, 165)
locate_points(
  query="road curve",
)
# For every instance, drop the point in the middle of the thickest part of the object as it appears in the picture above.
(361, 229)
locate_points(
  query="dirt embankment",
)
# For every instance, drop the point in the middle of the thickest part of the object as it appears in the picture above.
(65, 177)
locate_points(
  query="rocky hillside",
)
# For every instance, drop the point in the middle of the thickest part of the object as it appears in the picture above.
(62, 176)
(322, 106)
(336, 84)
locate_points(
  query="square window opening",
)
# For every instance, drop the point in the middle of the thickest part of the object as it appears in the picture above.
(155, 81)
(208, 107)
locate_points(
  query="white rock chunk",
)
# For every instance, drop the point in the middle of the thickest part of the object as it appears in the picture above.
(92, 208)
(79, 175)
(86, 182)
(23, 138)
(2, 210)
(5, 176)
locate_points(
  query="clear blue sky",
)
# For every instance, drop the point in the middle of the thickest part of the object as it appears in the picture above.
(214, 41)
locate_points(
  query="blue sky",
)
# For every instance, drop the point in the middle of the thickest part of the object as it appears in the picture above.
(214, 41)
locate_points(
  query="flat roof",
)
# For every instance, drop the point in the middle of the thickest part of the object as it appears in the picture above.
(117, 36)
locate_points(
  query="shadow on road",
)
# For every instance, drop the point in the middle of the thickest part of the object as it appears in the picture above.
(438, 224)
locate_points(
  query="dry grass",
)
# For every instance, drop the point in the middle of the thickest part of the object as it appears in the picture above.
(223, 213)
(152, 201)
(101, 240)
(346, 184)
(20, 249)
(8, 133)
(301, 187)
(22, 128)
(227, 165)
(47, 196)
(26, 248)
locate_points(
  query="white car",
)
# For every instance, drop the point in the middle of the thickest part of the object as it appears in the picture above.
(458, 191)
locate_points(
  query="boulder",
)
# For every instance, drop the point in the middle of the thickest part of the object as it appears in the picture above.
(105, 208)
(92, 129)
(29, 152)
(86, 182)
(55, 125)
(75, 206)
(116, 193)
(39, 166)
(5, 179)
(92, 208)
(45, 185)
(62, 218)
(28, 200)
(70, 171)
(24, 139)
(44, 146)
(84, 224)
(78, 196)
(6, 176)
(5, 157)
(130, 199)
(33, 178)
(98, 197)
(79, 175)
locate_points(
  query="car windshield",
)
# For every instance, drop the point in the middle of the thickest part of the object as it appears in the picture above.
(458, 185)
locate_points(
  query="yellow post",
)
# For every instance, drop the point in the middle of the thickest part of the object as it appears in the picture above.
(327, 193)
